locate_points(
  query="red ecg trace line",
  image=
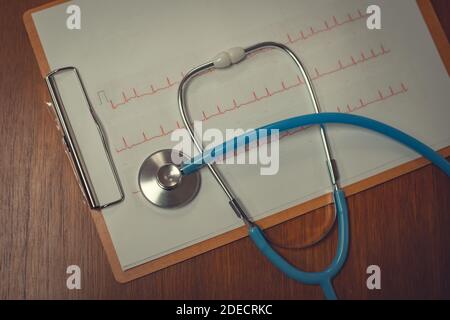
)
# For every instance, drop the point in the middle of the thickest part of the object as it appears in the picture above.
(349, 109)
(284, 87)
(363, 57)
(302, 36)
(327, 27)
(380, 97)
(255, 98)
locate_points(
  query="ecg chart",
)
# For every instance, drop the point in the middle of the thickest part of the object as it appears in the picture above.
(132, 74)
(311, 32)
(130, 95)
(341, 65)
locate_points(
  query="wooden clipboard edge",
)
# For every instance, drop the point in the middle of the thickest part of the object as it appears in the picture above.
(436, 31)
(121, 276)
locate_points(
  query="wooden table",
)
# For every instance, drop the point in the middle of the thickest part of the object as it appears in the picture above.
(403, 225)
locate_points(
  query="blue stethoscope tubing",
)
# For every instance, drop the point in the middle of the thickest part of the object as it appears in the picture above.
(323, 278)
(323, 118)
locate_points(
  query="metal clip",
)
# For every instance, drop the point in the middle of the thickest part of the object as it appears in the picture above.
(75, 151)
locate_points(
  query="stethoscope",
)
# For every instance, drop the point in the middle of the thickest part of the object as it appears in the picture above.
(167, 184)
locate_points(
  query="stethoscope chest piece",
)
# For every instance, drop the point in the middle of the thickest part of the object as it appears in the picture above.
(162, 183)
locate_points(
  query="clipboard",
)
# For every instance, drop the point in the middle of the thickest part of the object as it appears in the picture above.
(121, 276)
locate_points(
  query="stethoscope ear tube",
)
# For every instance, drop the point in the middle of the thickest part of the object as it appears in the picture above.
(323, 278)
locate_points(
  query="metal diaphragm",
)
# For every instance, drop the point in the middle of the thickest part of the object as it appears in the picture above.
(162, 183)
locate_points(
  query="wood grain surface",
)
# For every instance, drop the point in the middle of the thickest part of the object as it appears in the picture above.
(403, 225)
